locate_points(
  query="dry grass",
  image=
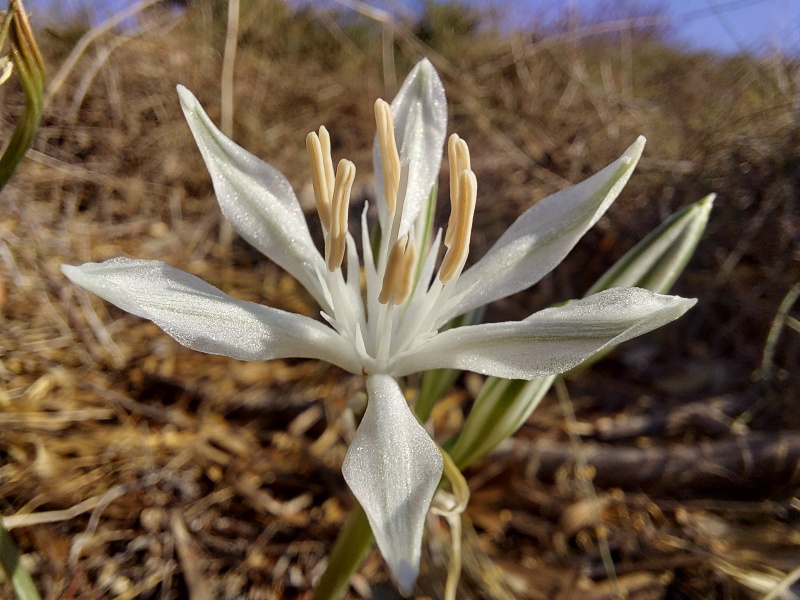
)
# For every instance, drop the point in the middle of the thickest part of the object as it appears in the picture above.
(134, 468)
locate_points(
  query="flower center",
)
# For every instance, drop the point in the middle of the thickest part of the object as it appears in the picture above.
(404, 278)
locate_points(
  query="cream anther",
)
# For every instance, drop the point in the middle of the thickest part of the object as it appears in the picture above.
(458, 157)
(390, 158)
(319, 151)
(399, 277)
(332, 193)
(457, 253)
(336, 239)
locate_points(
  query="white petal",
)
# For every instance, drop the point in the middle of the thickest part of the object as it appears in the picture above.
(393, 468)
(201, 317)
(550, 341)
(540, 238)
(420, 124)
(257, 200)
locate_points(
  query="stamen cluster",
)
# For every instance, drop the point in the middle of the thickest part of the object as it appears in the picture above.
(398, 260)
(397, 263)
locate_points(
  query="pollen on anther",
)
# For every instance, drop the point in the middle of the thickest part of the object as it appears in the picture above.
(390, 158)
(318, 147)
(459, 159)
(399, 276)
(457, 253)
(336, 239)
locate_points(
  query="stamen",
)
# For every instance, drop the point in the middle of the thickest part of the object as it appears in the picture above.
(406, 282)
(457, 253)
(336, 240)
(399, 276)
(325, 142)
(458, 157)
(322, 190)
(390, 158)
(394, 232)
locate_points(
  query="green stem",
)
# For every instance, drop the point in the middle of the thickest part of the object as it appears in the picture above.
(351, 548)
(29, 67)
(15, 573)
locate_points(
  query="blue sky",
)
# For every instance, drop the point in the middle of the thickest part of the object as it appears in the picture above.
(721, 25)
(760, 26)
(725, 26)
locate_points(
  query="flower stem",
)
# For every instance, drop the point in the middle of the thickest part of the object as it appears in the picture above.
(351, 547)
(16, 574)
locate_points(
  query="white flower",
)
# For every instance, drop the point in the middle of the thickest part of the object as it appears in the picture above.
(391, 329)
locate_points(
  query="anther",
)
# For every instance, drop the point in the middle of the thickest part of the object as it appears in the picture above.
(336, 240)
(458, 157)
(399, 276)
(319, 153)
(406, 282)
(390, 158)
(325, 142)
(457, 253)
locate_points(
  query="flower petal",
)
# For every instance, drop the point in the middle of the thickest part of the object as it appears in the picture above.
(201, 317)
(540, 238)
(550, 341)
(419, 112)
(257, 200)
(393, 468)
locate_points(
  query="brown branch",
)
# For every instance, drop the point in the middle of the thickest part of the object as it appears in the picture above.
(757, 462)
(709, 417)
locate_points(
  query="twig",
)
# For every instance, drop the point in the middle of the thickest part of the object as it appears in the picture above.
(102, 56)
(765, 373)
(779, 591)
(778, 323)
(67, 514)
(744, 462)
(89, 37)
(228, 63)
(389, 76)
(226, 97)
(713, 417)
(468, 86)
(191, 560)
(584, 476)
(88, 77)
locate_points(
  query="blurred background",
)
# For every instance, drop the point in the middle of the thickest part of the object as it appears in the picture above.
(134, 468)
(724, 26)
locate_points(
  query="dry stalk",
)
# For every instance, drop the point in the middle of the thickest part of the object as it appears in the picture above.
(90, 36)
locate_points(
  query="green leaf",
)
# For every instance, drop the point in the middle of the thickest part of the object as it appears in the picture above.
(16, 574)
(29, 66)
(655, 263)
(351, 548)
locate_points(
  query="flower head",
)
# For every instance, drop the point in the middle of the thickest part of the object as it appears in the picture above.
(393, 327)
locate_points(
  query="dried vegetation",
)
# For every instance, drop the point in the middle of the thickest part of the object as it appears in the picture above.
(134, 468)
